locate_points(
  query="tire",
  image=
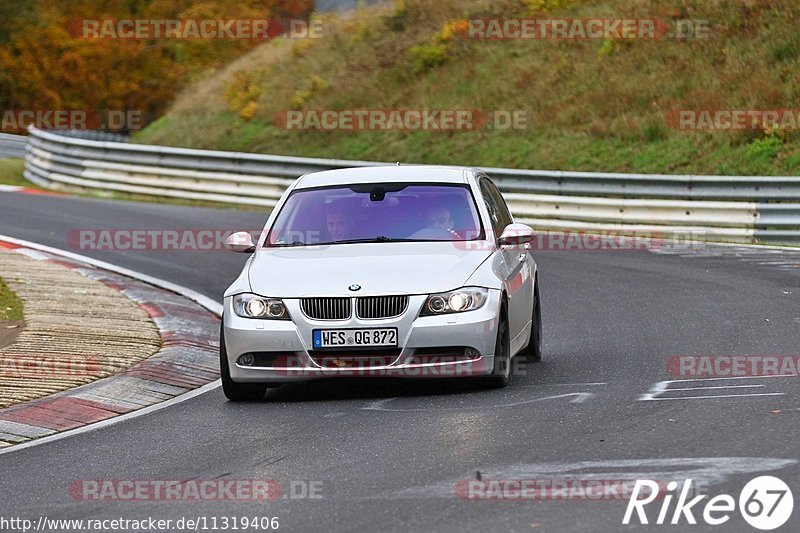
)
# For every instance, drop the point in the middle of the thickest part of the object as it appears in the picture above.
(533, 351)
(236, 392)
(501, 374)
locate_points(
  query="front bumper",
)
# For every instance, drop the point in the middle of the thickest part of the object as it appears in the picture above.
(291, 340)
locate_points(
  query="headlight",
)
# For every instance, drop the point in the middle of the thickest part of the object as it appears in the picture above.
(457, 301)
(254, 306)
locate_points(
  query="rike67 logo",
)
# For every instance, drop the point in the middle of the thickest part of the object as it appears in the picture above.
(766, 503)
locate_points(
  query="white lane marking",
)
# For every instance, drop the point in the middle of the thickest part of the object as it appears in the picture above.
(376, 405)
(733, 377)
(712, 470)
(782, 258)
(380, 405)
(33, 254)
(717, 396)
(9, 188)
(654, 391)
(204, 301)
(663, 387)
(719, 387)
(561, 384)
(739, 247)
(581, 397)
(116, 420)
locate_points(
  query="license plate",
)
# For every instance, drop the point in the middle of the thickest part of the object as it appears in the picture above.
(354, 338)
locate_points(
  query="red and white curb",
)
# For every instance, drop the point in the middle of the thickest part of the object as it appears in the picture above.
(29, 190)
(188, 360)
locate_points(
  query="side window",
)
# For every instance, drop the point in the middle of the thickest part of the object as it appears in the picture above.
(491, 205)
(501, 217)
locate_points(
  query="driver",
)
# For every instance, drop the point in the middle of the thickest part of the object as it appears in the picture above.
(339, 225)
(440, 218)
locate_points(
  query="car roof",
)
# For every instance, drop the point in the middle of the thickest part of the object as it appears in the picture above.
(385, 173)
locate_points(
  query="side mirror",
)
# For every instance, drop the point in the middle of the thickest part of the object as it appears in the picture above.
(241, 242)
(516, 234)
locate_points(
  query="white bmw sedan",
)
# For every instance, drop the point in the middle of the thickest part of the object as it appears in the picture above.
(398, 271)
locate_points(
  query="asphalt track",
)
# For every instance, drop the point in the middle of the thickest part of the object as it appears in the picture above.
(387, 456)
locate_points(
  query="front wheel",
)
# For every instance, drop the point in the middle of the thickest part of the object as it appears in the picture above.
(501, 374)
(236, 392)
(533, 351)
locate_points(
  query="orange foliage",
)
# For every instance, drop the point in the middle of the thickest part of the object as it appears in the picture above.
(44, 66)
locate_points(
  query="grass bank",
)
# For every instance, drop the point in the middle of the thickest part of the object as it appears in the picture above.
(10, 305)
(590, 104)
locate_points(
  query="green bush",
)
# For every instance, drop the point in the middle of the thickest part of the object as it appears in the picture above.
(314, 86)
(764, 148)
(427, 56)
(608, 47)
(786, 51)
(538, 6)
(396, 21)
(655, 131)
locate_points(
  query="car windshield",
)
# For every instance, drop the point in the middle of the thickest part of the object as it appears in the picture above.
(376, 212)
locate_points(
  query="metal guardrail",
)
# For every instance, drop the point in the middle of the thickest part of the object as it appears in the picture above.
(12, 145)
(95, 135)
(761, 209)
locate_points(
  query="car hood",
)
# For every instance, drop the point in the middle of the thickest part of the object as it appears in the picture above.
(379, 268)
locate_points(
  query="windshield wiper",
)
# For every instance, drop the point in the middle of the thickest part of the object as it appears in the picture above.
(285, 244)
(379, 238)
